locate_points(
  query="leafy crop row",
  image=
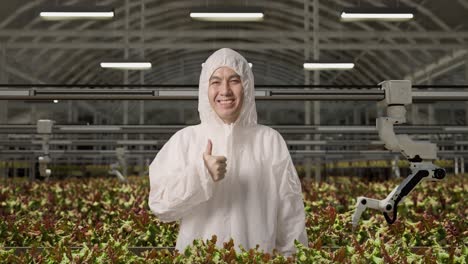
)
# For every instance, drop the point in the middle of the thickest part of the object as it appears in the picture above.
(100, 219)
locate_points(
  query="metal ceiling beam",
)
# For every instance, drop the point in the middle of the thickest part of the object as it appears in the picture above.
(170, 33)
(170, 129)
(156, 94)
(428, 13)
(273, 94)
(371, 154)
(156, 16)
(464, 3)
(28, 77)
(92, 45)
(442, 65)
(170, 5)
(18, 73)
(18, 12)
(154, 143)
(195, 33)
(191, 63)
(389, 26)
(234, 33)
(172, 38)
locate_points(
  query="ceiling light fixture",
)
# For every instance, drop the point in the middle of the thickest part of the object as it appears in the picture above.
(126, 65)
(227, 14)
(317, 66)
(75, 12)
(385, 14)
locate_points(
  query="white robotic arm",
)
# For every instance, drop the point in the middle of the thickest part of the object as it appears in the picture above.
(420, 154)
(424, 171)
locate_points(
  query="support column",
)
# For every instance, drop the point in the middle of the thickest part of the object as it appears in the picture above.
(180, 108)
(307, 104)
(462, 165)
(125, 73)
(431, 114)
(33, 116)
(15, 167)
(32, 169)
(3, 110)
(430, 108)
(3, 79)
(142, 81)
(453, 117)
(356, 116)
(366, 117)
(125, 77)
(415, 115)
(316, 82)
(70, 120)
(96, 121)
(466, 81)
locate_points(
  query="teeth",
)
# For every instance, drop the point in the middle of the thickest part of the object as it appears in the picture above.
(226, 101)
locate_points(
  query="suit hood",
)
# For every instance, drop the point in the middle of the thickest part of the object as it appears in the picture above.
(227, 58)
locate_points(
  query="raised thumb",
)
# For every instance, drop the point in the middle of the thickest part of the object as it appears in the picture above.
(209, 147)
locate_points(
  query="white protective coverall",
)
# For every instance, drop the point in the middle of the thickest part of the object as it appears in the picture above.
(258, 202)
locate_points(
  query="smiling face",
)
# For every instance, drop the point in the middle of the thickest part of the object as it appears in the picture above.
(226, 94)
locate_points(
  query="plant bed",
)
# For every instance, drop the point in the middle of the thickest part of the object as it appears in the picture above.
(86, 220)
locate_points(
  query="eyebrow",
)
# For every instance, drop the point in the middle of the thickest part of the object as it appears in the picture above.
(234, 76)
(214, 77)
(230, 77)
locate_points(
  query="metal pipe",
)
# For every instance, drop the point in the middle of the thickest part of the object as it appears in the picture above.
(270, 94)
(170, 129)
(162, 142)
(314, 153)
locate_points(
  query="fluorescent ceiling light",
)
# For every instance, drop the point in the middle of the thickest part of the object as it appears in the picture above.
(56, 101)
(227, 14)
(386, 14)
(74, 12)
(127, 65)
(232, 17)
(317, 66)
(76, 15)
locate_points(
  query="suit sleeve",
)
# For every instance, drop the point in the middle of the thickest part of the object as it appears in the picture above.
(177, 184)
(291, 214)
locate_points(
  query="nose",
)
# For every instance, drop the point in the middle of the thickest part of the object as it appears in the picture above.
(225, 89)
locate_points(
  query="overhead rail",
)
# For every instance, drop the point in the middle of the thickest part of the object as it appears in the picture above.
(286, 129)
(145, 153)
(33, 94)
(364, 92)
(245, 33)
(84, 142)
(94, 142)
(195, 86)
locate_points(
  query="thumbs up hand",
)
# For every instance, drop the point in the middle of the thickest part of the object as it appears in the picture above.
(216, 165)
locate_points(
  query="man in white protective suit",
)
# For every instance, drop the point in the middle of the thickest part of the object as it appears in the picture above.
(229, 176)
